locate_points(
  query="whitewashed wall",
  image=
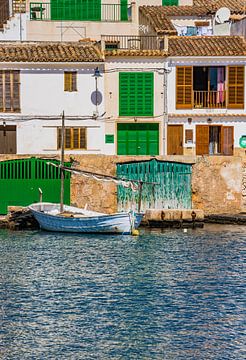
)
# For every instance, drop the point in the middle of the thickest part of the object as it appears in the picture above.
(15, 28)
(43, 99)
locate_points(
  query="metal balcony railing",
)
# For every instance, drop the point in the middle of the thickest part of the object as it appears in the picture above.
(106, 13)
(209, 99)
(133, 42)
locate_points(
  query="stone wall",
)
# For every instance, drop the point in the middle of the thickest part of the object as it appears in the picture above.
(216, 182)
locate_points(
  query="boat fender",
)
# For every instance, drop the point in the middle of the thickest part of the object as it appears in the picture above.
(135, 232)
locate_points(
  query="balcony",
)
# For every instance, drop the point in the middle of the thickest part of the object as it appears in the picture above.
(209, 99)
(106, 12)
(133, 42)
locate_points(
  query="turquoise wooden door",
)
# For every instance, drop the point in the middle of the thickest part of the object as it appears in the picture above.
(171, 191)
(138, 139)
(21, 179)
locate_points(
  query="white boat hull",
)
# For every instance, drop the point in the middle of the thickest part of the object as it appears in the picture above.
(82, 221)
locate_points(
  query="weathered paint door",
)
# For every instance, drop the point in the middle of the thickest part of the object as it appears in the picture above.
(138, 139)
(20, 180)
(171, 191)
(7, 139)
(175, 140)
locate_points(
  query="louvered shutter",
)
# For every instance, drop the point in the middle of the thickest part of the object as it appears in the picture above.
(8, 91)
(16, 90)
(82, 138)
(136, 94)
(1, 90)
(123, 10)
(235, 87)
(202, 140)
(68, 138)
(170, 2)
(184, 87)
(74, 81)
(228, 140)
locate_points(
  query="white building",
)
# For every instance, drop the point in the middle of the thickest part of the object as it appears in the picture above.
(38, 81)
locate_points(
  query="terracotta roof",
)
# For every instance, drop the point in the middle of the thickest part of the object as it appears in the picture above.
(207, 46)
(212, 115)
(192, 46)
(236, 6)
(159, 16)
(49, 52)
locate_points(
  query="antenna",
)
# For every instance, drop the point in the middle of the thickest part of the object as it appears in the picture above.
(222, 15)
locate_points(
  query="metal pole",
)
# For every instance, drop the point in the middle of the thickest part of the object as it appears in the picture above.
(62, 162)
(165, 111)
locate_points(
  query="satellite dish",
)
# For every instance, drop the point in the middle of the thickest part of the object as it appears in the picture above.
(222, 15)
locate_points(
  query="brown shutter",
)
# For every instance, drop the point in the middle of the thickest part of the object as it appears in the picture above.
(68, 138)
(67, 81)
(59, 135)
(16, 90)
(74, 81)
(83, 144)
(8, 92)
(1, 91)
(227, 140)
(184, 86)
(202, 140)
(235, 87)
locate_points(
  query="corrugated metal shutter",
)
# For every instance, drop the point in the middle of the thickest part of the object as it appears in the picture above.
(184, 87)
(235, 87)
(136, 92)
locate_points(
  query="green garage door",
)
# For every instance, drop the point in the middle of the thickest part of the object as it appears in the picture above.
(81, 10)
(20, 180)
(138, 139)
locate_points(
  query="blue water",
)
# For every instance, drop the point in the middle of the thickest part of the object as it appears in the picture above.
(170, 295)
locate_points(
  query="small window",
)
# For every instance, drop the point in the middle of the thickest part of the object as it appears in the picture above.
(112, 45)
(70, 81)
(75, 138)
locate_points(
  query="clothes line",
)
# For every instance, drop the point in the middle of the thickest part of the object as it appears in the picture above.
(134, 185)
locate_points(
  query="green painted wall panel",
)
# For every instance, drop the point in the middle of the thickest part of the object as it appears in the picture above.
(21, 179)
(136, 94)
(172, 191)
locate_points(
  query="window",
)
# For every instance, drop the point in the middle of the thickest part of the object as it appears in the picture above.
(136, 94)
(70, 81)
(82, 10)
(9, 91)
(75, 138)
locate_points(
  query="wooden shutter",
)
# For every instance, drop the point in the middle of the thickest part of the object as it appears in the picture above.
(1, 90)
(136, 94)
(235, 87)
(170, 2)
(184, 87)
(70, 81)
(16, 90)
(8, 91)
(82, 138)
(227, 140)
(68, 139)
(202, 140)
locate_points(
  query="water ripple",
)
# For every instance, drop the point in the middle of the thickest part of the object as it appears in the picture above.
(169, 295)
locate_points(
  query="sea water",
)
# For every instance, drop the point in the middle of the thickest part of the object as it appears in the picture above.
(163, 295)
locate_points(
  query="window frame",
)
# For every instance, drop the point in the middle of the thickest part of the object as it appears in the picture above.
(8, 101)
(79, 141)
(70, 81)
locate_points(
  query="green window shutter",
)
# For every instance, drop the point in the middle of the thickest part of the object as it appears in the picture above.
(170, 2)
(136, 94)
(76, 10)
(123, 10)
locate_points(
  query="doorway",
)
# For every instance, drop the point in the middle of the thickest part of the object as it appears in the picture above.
(175, 140)
(7, 139)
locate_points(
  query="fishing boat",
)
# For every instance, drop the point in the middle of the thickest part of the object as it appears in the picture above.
(76, 220)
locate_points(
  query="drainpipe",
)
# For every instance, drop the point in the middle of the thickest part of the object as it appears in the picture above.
(166, 71)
